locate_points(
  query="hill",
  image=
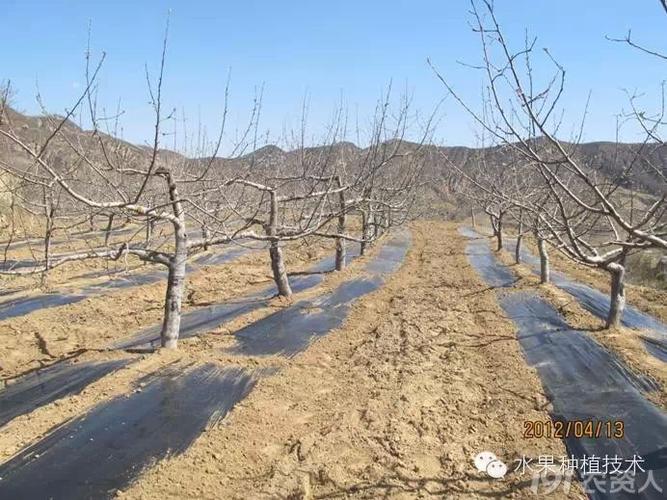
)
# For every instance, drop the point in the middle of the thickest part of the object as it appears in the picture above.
(609, 158)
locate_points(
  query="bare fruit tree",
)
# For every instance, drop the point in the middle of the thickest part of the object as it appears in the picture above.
(591, 217)
(200, 200)
(312, 191)
(96, 174)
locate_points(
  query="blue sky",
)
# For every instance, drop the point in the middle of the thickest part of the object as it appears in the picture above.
(323, 49)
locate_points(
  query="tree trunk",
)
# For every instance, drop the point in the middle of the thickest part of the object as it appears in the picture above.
(47, 248)
(340, 242)
(279, 270)
(364, 232)
(206, 236)
(149, 230)
(519, 237)
(617, 302)
(49, 213)
(108, 230)
(472, 218)
(276, 253)
(545, 272)
(171, 324)
(340, 254)
(499, 233)
(47, 251)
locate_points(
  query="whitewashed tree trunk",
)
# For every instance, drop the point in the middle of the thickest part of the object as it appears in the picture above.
(545, 271)
(276, 253)
(617, 302)
(472, 218)
(279, 270)
(340, 242)
(364, 232)
(171, 324)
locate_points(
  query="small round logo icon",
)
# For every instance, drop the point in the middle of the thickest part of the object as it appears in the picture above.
(483, 459)
(489, 463)
(496, 469)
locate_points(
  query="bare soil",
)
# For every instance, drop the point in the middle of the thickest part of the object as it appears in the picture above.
(425, 373)
(63, 243)
(45, 336)
(626, 343)
(105, 324)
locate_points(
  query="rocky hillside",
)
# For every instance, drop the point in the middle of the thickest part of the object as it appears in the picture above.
(609, 158)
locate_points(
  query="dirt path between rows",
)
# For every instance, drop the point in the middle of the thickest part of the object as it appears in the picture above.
(425, 373)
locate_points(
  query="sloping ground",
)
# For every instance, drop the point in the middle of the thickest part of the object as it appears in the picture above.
(65, 390)
(597, 303)
(587, 383)
(639, 343)
(102, 450)
(21, 306)
(109, 313)
(424, 374)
